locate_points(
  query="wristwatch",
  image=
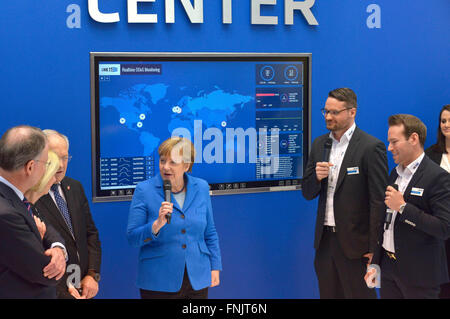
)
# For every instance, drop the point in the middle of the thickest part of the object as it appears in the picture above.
(402, 207)
(94, 275)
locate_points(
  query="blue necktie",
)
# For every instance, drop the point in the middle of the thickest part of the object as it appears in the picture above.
(62, 205)
(28, 205)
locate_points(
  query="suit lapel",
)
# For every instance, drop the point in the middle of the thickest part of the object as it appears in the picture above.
(191, 192)
(393, 176)
(20, 207)
(416, 177)
(349, 155)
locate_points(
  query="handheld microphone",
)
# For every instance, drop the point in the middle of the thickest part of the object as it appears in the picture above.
(167, 196)
(327, 149)
(389, 212)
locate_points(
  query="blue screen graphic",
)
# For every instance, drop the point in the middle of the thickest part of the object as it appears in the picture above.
(245, 119)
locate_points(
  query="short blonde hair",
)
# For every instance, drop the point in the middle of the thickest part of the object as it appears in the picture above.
(184, 147)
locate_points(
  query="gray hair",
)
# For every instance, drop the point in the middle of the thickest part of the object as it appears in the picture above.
(49, 133)
(19, 145)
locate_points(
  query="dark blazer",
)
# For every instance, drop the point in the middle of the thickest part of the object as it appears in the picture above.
(84, 250)
(433, 155)
(437, 158)
(422, 228)
(358, 200)
(22, 258)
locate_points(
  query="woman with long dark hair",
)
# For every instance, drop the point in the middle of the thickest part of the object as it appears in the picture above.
(440, 153)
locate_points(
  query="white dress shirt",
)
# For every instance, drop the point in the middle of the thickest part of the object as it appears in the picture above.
(445, 164)
(337, 153)
(404, 177)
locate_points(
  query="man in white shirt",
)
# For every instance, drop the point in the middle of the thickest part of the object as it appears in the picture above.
(350, 185)
(412, 257)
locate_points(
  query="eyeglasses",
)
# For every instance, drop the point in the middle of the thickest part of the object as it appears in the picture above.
(325, 112)
(66, 158)
(47, 164)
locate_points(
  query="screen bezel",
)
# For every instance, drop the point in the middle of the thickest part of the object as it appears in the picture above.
(254, 186)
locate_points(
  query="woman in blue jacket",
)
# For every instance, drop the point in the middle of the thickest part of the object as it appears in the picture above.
(180, 259)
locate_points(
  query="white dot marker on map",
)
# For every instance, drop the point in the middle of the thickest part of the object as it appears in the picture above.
(139, 124)
(223, 124)
(122, 120)
(142, 116)
(176, 109)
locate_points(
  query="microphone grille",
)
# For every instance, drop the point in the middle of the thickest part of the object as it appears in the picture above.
(167, 184)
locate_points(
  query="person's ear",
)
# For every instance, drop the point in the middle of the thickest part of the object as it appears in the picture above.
(414, 138)
(29, 167)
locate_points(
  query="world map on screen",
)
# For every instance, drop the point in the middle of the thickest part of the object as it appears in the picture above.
(144, 108)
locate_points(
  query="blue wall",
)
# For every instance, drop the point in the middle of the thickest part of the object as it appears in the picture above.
(266, 239)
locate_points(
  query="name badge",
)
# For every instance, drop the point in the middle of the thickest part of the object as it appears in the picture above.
(417, 191)
(352, 170)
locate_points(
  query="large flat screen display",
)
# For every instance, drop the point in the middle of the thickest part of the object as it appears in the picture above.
(248, 115)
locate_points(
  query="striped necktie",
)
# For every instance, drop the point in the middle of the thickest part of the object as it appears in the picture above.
(62, 206)
(28, 205)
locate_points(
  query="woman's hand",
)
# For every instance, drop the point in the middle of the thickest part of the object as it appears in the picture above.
(165, 209)
(40, 226)
(215, 281)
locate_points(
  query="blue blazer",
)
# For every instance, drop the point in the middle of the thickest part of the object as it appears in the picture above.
(190, 240)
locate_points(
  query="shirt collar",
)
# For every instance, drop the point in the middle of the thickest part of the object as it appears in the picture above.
(347, 135)
(411, 168)
(14, 188)
(58, 185)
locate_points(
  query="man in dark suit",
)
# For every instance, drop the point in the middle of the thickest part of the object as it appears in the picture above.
(66, 208)
(412, 257)
(32, 257)
(350, 185)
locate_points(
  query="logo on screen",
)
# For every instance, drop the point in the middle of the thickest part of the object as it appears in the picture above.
(109, 69)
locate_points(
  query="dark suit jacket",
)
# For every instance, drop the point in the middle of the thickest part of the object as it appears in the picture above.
(84, 250)
(358, 199)
(433, 155)
(422, 228)
(437, 158)
(22, 258)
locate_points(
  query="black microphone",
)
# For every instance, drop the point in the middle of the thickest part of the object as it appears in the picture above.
(167, 196)
(327, 149)
(389, 212)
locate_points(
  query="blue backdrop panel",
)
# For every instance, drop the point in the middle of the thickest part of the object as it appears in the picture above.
(266, 239)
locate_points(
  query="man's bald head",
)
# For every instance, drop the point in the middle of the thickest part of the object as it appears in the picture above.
(19, 145)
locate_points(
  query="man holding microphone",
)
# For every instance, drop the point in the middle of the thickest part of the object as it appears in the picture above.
(347, 169)
(412, 257)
